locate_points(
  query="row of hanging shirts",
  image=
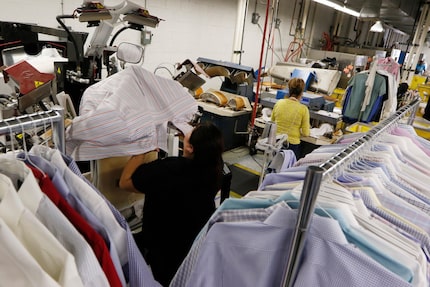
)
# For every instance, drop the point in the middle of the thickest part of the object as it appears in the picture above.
(370, 226)
(56, 228)
(372, 95)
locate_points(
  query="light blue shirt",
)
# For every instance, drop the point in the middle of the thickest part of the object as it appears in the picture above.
(391, 201)
(419, 235)
(255, 254)
(237, 215)
(283, 160)
(373, 246)
(291, 174)
(400, 188)
(365, 241)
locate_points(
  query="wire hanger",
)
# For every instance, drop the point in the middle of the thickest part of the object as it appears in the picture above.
(34, 137)
(12, 145)
(52, 133)
(45, 140)
(27, 158)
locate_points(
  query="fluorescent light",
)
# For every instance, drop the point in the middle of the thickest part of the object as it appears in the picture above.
(377, 27)
(338, 7)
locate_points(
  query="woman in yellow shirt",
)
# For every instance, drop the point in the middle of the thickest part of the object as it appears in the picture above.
(292, 117)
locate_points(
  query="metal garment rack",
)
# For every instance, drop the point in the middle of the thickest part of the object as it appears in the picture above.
(316, 174)
(54, 117)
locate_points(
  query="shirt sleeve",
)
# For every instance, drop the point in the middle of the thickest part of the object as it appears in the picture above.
(305, 127)
(147, 175)
(272, 116)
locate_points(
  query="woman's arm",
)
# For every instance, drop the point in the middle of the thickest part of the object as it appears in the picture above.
(306, 123)
(125, 181)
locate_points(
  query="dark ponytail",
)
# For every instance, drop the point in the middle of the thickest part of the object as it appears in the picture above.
(208, 146)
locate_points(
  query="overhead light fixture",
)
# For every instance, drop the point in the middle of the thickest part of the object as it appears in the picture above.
(338, 7)
(377, 27)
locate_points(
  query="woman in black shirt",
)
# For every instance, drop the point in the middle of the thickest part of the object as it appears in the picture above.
(179, 198)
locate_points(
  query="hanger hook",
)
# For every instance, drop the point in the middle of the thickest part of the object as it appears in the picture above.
(24, 143)
(52, 130)
(10, 135)
(34, 134)
(45, 129)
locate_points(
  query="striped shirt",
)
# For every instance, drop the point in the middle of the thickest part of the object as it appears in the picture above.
(127, 114)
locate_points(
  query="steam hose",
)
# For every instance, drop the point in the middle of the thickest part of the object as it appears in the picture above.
(257, 93)
(78, 56)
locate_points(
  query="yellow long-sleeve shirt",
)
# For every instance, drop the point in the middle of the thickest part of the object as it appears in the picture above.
(291, 118)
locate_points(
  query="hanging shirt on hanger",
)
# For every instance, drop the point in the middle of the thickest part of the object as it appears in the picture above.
(94, 239)
(18, 265)
(412, 229)
(61, 227)
(409, 131)
(372, 105)
(67, 190)
(41, 244)
(334, 202)
(90, 198)
(351, 108)
(398, 188)
(292, 174)
(228, 242)
(238, 215)
(389, 68)
(138, 273)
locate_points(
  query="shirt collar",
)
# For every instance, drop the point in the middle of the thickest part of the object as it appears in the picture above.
(24, 182)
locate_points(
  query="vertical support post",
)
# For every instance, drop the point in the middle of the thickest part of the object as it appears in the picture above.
(242, 7)
(417, 44)
(58, 130)
(311, 185)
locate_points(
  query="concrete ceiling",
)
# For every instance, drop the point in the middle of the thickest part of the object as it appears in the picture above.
(399, 14)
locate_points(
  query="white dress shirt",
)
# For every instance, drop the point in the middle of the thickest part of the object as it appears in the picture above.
(40, 243)
(17, 264)
(127, 114)
(57, 223)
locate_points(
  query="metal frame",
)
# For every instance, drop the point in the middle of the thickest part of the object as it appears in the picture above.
(54, 117)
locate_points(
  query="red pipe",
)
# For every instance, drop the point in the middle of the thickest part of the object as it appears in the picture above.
(257, 94)
(10, 43)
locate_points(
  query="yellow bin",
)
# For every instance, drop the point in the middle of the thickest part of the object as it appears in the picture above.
(358, 128)
(424, 91)
(417, 80)
(338, 94)
(422, 127)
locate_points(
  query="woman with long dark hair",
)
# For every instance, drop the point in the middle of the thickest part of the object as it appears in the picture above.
(179, 197)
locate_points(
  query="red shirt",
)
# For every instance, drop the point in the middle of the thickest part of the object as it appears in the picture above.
(91, 236)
